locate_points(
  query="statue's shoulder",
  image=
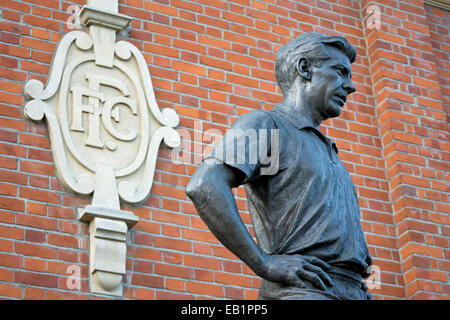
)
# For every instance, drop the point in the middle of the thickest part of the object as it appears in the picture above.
(256, 119)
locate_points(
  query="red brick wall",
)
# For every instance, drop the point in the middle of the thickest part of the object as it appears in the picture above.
(211, 61)
(414, 136)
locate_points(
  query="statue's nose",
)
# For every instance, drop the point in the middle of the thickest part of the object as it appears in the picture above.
(349, 86)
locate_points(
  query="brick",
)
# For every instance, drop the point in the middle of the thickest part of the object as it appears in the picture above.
(8, 189)
(244, 102)
(35, 250)
(156, 7)
(12, 204)
(204, 288)
(234, 293)
(198, 235)
(143, 252)
(251, 294)
(12, 232)
(14, 30)
(239, 38)
(63, 240)
(35, 236)
(12, 75)
(16, 5)
(10, 260)
(216, 85)
(410, 180)
(40, 195)
(372, 172)
(415, 248)
(183, 24)
(33, 264)
(163, 216)
(57, 267)
(232, 279)
(11, 291)
(68, 255)
(174, 284)
(65, 295)
(69, 227)
(174, 271)
(162, 50)
(8, 136)
(214, 42)
(8, 163)
(6, 245)
(204, 275)
(37, 44)
(37, 221)
(34, 67)
(190, 68)
(440, 165)
(172, 257)
(167, 295)
(170, 243)
(427, 83)
(148, 281)
(230, 16)
(159, 28)
(40, 182)
(217, 107)
(192, 90)
(393, 291)
(11, 15)
(36, 279)
(31, 293)
(414, 203)
(381, 241)
(202, 262)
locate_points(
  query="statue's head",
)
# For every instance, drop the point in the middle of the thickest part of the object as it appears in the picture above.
(319, 65)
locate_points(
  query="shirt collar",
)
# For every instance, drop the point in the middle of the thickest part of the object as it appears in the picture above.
(300, 122)
(297, 119)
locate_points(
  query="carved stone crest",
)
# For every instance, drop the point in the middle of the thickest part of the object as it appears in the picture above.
(105, 130)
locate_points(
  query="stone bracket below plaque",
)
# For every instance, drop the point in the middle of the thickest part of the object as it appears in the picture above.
(107, 240)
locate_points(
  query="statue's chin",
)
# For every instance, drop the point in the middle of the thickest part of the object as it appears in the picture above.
(333, 111)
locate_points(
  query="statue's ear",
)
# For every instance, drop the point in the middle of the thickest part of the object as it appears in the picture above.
(304, 69)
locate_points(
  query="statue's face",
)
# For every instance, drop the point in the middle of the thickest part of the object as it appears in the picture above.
(330, 85)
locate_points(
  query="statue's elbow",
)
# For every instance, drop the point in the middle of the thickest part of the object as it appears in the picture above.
(193, 188)
(190, 189)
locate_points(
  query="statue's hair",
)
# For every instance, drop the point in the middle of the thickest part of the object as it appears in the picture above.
(312, 47)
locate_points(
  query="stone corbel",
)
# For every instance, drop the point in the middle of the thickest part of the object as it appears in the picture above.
(108, 227)
(108, 230)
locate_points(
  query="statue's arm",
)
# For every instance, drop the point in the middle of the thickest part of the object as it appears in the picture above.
(210, 189)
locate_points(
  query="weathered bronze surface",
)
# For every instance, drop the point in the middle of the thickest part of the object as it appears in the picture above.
(302, 200)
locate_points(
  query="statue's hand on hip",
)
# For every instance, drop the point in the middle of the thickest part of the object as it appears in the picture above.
(292, 269)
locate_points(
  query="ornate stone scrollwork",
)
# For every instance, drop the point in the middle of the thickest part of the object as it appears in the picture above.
(105, 129)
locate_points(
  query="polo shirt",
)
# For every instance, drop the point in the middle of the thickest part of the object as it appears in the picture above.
(301, 198)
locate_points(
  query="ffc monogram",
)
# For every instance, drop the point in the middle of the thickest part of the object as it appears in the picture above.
(99, 106)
